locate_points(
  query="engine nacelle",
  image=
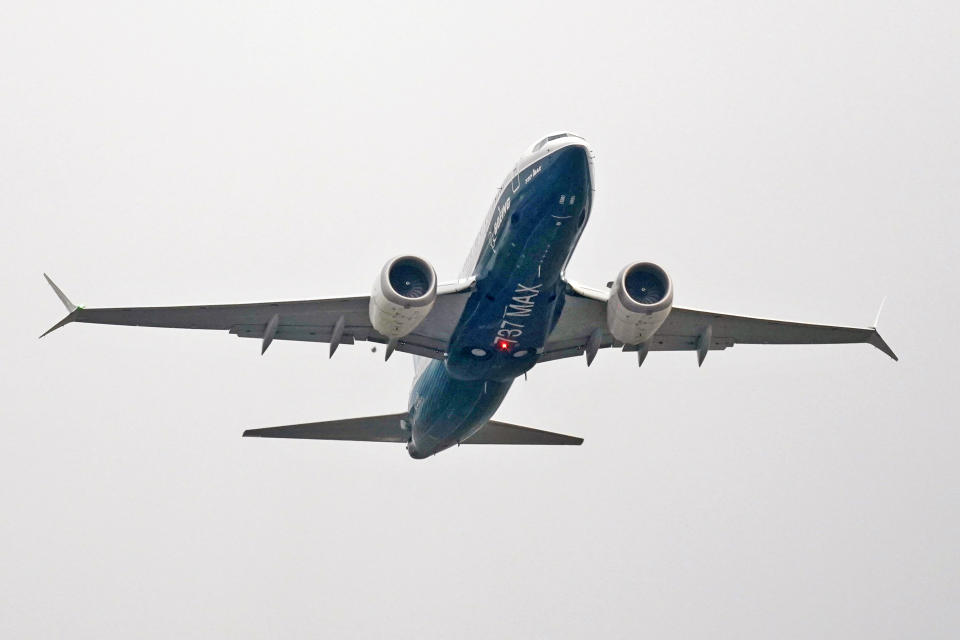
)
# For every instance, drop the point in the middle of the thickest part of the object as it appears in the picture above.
(403, 295)
(640, 300)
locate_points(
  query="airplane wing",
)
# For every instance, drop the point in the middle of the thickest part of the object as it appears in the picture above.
(333, 320)
(584, 319)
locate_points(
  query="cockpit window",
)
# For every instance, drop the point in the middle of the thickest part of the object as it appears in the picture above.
(540, 144)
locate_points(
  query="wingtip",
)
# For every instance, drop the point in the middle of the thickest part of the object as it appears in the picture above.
(72, 309)
(67, 320)
(60, 294)
(876, 320)
(877, 341)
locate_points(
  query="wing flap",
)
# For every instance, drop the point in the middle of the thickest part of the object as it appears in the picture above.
(414, 343)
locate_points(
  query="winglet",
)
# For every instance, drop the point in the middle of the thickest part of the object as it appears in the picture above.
(70, 318)
(60, 294)
(876, 321)
(72, 309)
(881, 344)
(875, 338)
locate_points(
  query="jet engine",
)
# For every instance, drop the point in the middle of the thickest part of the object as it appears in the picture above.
(640, 300)
(403, 295)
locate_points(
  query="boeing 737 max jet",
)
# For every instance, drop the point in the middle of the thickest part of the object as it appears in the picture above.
(511, 309)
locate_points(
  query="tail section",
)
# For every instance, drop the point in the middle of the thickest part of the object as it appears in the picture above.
(392, 427)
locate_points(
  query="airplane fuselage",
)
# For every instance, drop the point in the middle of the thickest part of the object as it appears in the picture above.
(518, 261)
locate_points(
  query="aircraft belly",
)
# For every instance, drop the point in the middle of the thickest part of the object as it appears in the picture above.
(444, 411)
(536, 225)
(533, 228)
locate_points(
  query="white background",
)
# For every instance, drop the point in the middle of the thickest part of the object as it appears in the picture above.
(784, 161)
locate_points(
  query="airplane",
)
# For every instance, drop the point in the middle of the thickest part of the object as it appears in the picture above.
(511, 309)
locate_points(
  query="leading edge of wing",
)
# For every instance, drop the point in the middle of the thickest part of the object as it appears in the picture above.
(211, 316)
(836, 334)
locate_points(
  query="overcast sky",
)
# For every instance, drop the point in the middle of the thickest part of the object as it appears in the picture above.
(798, 162)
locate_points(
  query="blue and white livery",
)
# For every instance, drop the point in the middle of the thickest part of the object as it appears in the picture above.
(511, 309)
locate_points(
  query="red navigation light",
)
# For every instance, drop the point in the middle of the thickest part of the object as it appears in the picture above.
(503, 345)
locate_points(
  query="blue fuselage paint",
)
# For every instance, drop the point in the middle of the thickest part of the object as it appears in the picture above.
(521, 254)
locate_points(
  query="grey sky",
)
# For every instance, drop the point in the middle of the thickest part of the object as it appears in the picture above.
(787, 161)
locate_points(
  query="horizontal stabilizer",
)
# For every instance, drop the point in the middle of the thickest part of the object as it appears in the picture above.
(384, 428)
(387, 428)
(502, 433)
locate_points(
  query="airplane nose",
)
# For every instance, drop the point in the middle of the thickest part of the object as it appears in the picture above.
(570, 162)
(572, 153)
